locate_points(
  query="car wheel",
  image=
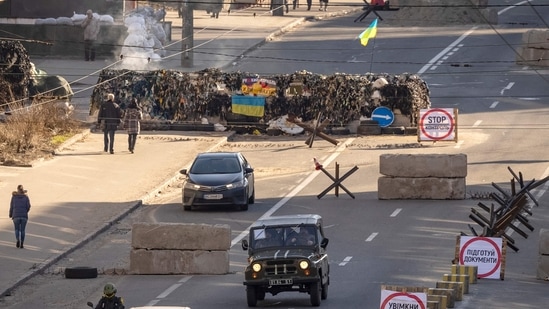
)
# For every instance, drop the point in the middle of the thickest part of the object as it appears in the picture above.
(244, 207)
(324, 293)
(80, 272)
(251, 200)
(251, 296)
(260, 294)
(314, 291)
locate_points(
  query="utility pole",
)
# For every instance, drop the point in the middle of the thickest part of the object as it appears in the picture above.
(187, 38)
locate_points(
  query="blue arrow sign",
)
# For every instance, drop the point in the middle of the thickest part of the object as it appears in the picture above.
(384, 116)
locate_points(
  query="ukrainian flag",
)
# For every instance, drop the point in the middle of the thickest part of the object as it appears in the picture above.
(369, 33)
(248, 105)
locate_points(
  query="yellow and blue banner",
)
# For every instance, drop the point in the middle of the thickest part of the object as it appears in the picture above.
(369, 33)
(248, 105)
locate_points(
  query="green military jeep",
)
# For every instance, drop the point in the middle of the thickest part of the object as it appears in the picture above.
(287, 254)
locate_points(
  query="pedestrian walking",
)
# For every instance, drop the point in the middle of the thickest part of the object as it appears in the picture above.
(19, 213)
(132, 123)
(325, 3)
(109, 118)
(309, 4)
(91, 30)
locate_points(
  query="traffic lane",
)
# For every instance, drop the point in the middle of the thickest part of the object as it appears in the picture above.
(317, 47)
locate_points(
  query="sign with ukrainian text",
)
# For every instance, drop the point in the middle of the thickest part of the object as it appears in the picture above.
(484, 252)
(437, 124)
(403, 300)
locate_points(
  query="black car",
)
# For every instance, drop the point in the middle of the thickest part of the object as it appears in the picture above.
(219, 178)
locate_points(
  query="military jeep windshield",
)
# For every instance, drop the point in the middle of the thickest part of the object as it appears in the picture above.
(270, 237)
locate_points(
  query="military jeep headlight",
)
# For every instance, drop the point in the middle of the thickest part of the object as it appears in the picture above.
(256, 267)
(304, 264)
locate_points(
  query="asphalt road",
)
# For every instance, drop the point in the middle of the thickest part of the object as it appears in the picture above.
(372, 242)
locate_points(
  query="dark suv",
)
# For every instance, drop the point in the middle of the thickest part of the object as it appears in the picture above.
(287, 254)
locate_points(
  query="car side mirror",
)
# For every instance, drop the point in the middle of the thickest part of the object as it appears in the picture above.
(249, 170)
(244, 244)
(183, 171)
(324, 243)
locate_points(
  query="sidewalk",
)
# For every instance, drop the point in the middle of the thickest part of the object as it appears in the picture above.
(82, 190)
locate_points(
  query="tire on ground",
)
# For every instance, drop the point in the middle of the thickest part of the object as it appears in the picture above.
(80, 272)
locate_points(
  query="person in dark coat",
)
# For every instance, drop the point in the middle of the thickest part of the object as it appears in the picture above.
(109, 119)
(132, 119)
(19, 212)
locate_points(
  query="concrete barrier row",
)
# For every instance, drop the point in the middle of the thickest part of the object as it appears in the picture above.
(535, 48)
(422, 176)
(171, 248)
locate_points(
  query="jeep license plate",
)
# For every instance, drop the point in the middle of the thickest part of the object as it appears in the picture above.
(281, 281)
(213, 196)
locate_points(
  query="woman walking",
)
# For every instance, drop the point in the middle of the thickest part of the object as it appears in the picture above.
(19, 212)
(132, 119)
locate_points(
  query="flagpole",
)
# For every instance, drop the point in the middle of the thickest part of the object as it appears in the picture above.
(372, 56)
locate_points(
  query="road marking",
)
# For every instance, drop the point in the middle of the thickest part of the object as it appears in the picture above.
(477, 123)
(494, 104)
(371, 237)
(396, 212)
(458, 144)
(345, 261)
(296, 190)
(509, 86)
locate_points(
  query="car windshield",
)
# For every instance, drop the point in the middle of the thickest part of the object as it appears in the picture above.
(215, 166)
(283, 236)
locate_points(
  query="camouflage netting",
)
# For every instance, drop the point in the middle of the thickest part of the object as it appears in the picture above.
(15, 72)
(177, 96)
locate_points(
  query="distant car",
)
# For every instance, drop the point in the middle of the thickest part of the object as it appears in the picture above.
(287, 254)
(219, 178)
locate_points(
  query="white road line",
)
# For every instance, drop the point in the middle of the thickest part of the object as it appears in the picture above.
(494, 104)
(509, 86)
(396, 212)
(477, 123)
(297, 189)
(458, 144)
(345, 261)
(169, 290)
(371, 237)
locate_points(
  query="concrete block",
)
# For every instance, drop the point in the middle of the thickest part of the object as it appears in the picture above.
(450, 295)
(176, 236)
(471, 270)
(458, 278)
(172, 262)
(395, 188)
(543, 267)
(537, 39)
(439, 300)
(490, 15)
(532, 56)
(423, 165)
(458, 286)
(544, 241)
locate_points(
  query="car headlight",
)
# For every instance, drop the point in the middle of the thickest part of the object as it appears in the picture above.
(192, 186)
(238, 184)
(256, 267)
(303, 264)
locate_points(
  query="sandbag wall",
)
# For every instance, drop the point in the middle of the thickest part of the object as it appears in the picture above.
(535, 48)
(342, 98)
(422, 176)
(172, 248)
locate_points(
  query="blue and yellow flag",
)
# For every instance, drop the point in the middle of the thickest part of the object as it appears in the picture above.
(369, 33)
(248, 105)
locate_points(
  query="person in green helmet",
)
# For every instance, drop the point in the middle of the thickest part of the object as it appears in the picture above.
(109, 300)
